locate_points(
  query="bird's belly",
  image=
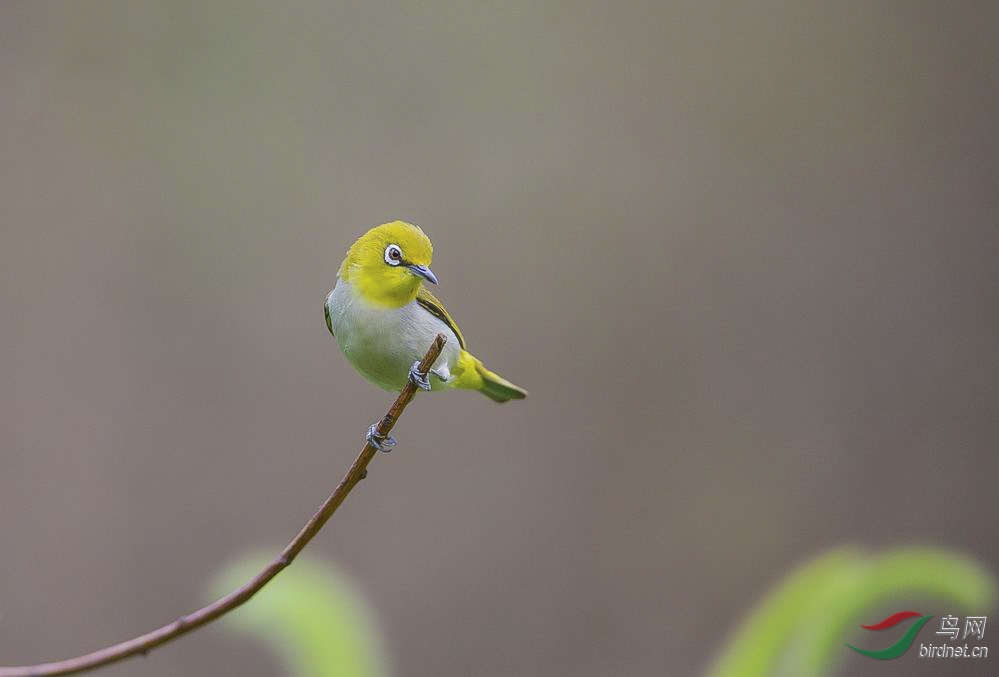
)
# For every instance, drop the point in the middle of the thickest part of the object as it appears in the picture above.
(383, 343)
(383, 357)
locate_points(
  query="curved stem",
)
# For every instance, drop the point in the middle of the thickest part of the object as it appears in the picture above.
(194, 620)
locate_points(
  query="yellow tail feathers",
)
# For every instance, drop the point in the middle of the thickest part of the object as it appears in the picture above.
(472, 375)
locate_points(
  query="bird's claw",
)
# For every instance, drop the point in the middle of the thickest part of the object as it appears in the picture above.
(383, 443)
(419, 378)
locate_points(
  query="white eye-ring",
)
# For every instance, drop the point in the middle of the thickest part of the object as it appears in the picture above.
(393, 255)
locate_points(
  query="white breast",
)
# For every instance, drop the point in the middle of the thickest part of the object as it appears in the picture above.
(382, 343)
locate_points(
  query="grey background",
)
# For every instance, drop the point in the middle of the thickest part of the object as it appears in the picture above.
(742, 254)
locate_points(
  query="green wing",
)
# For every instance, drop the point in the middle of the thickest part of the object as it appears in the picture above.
(329, 320)
(436, 308)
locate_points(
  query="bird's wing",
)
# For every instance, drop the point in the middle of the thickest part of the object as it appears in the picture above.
(430, 303)
(329, 320)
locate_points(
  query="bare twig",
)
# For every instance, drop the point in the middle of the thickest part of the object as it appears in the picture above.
(222, 606)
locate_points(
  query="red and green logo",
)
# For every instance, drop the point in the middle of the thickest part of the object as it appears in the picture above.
(902, 645)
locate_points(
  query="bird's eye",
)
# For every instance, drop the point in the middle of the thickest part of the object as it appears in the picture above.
(393, 255)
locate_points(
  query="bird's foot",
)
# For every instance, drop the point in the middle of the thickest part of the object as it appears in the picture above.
(380, 442)
(420, 379)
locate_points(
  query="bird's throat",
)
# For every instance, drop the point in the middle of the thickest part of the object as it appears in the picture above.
(384, 291)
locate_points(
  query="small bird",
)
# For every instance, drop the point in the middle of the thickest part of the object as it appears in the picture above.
(384, 320)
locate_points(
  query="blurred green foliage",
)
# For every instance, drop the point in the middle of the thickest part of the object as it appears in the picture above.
(320, 625)
(311, 615)
(799, 629)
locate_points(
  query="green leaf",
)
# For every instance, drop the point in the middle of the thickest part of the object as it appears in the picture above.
(801, 627)
(310, 615)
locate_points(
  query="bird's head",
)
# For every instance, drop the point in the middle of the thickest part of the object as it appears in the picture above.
(388, 263)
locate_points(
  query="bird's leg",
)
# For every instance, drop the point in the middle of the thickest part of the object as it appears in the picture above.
(421, 379)
(378, 441)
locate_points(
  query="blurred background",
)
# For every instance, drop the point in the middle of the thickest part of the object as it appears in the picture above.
(742, 255)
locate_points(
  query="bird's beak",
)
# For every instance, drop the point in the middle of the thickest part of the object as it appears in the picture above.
(423, 272)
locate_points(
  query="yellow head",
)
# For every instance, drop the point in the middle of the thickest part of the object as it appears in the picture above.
(388, 263)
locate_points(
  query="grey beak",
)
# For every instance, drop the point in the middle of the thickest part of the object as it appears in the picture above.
(424, 272)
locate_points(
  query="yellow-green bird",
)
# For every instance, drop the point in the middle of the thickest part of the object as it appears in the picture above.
(384, 319)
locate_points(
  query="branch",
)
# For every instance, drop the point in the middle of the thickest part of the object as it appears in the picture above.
(185, 624)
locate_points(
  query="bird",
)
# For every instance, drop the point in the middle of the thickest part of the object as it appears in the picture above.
(384, 318)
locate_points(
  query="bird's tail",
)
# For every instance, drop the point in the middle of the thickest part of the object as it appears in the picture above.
(473, 375)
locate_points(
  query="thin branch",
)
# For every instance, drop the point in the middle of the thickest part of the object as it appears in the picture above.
(222, 606)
